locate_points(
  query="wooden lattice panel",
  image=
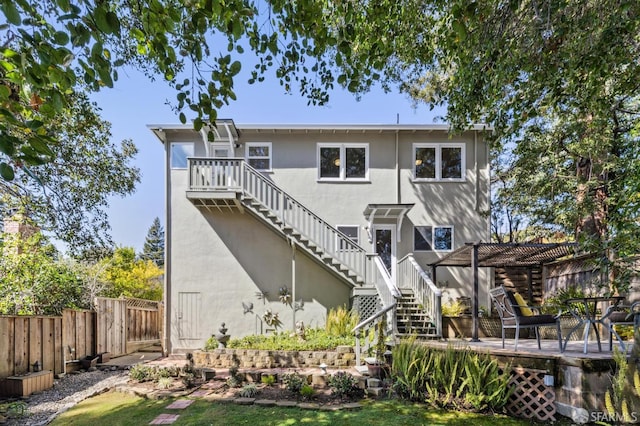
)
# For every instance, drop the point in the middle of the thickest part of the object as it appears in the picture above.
(366, 306)
(141, 303)
(531, 399)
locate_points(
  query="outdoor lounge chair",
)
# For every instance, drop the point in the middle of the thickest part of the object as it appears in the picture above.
(512, 316)
(622, 315)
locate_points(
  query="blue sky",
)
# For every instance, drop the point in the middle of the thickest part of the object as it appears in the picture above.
(135, 101)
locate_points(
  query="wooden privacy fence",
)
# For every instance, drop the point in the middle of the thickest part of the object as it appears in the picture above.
(49, 340)
(118, 326)
(125, 325)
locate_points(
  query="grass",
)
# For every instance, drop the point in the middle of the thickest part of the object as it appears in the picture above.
(114, 409)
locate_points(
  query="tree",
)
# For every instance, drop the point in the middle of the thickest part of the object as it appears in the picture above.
(49, 50)
(153, 249)
(557, 82)
(68, 195)
(130, 277)
(33, 281)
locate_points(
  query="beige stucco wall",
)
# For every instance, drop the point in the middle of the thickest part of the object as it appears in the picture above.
(225, 258)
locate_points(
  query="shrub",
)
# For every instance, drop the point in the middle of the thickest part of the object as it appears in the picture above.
(307, 391)
(341, 322)
(454, 308)
(268, 379)
(14, 409)
(317, 339)
(293, 382)
(164, 382)
(142, 373)
(449, 378)
(344, 384)
(249, 391)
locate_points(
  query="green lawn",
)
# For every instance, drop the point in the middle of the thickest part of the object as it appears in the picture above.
(114, 408)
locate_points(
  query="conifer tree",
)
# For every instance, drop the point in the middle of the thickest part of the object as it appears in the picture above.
(153, 249)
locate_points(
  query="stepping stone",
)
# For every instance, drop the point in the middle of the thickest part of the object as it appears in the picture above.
(308, 406)
(165, 419)
(180, 404)
(352, 406)
(244, 401)
(266, 402)
(285, 403)
(200, 393)
(330, 407)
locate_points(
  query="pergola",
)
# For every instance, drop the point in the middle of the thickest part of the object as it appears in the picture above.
(479, 254)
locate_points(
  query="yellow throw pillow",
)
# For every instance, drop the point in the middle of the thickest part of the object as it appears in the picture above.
(527, 312)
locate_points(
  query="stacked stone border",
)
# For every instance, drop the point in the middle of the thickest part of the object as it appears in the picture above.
(342, 357)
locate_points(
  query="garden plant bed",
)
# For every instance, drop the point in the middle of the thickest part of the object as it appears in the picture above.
(219, 390)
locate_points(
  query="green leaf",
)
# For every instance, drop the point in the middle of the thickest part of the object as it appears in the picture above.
(460, 30)
(13, 16)
(100, 18)
(113, 22)
(7, 144)
(61, 38)
(183, 118)
(197, 124)
(40, 146)
(235, 67)
(6, 171)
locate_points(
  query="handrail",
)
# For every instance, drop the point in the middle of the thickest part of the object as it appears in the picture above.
(361, 327)
(373, 317)
(411, 275)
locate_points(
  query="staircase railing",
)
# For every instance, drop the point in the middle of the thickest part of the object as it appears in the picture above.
(365, 339)
(236, 174)
(412, 276)
(387, 290)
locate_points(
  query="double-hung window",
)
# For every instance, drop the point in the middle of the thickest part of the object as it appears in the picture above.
(433, 238)
(438, 162)
(343, 162)
(180, 152)
(258, 155)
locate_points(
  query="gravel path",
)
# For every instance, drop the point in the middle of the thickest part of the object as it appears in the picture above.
(67, 392)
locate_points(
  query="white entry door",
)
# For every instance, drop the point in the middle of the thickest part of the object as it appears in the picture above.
(384, 244)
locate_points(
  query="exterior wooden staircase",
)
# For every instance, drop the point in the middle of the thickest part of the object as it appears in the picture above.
(411, 318)
(230, 184)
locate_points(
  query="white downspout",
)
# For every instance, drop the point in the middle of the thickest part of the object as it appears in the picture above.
(477, 172)
(398, 197)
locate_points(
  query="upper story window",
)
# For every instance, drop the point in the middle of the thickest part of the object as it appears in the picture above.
(343, 162)
(180, 151)
(351, 231)
(258, 155)
(445, 161)
(433, 238)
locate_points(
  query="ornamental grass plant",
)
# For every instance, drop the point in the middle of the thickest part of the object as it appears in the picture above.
(452, 378)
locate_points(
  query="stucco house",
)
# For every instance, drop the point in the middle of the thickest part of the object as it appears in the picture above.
(291, 220)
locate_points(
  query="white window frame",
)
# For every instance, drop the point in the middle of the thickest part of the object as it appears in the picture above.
(357, 242)
(248, 145)
(343, 157)
(438, 148)
(433, 228)
(171, 157)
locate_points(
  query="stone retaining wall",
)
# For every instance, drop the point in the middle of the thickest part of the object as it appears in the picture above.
(342, 357)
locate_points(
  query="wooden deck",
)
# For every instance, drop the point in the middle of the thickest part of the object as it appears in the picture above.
(580, 380)
(528, 348)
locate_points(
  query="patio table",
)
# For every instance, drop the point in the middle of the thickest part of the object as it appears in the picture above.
(589, 317)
